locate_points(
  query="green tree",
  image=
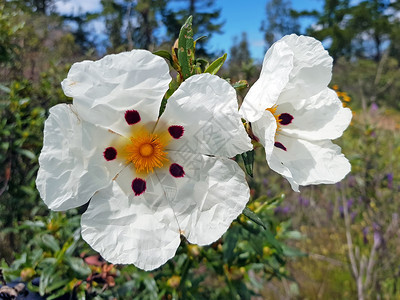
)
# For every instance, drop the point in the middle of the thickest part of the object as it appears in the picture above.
(395, 32)
(372, 26)
(131, 24)
(113, 14)
(332, 26)
(281, 20)
(240, 62)
(82, 34)
(206, 22)
(146, 15)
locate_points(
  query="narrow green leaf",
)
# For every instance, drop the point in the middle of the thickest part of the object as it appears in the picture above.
(31, 224)
(248, 159)
(293, 235)
(45, 279)
(202, 65)
(186, 49)
(216, 65)
(4, 89)
(50, 242)
(81, 295)
(57, 295)
(78, 265)
(229, 245)
(199, 39)
(292, 252)
(20, 261)
(241, 84)
(252, 216)
(55, 286)
(27, 153)
(165, 54)
(271, 240)
(32, 288)
(173, 86)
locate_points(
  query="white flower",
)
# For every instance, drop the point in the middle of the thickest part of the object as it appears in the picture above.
(295, 115)
(148, 179)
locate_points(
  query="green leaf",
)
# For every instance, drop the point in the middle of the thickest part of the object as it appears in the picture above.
(271, 240)
(50, 242)
(252, 216)
(56, 285)
(199, 39)
(47, 262)
(81, 295)
(248, 159)
(28, 190)
(57, 294)
(241, 84)
(229, 245)
(32, 224)
(292, 252)
(78, 265)
(216, 65)
(32, 288)
(164, 54)
(70, 247)
(173, 86)
(20, 261)
(45, 279)
(293, 235)
(4, 89)
(36, 256)
(201, 65)
(186, 49)
(27, 153)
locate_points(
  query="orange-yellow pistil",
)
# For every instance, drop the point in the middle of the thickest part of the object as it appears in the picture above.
(146, 151)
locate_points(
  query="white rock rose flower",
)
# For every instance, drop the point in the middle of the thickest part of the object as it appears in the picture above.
(295, 115)
(148, 179)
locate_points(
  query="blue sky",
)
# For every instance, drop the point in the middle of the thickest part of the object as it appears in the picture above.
(239, 16)
(247, 16)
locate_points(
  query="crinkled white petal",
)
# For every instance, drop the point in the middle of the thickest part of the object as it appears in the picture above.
(211, 194)
(277, 66)
(206, 106)
(319, 117)
(312, 68)
(72, 166)
(309, 162)
(104, 90)
(265, 129)
(128, 229)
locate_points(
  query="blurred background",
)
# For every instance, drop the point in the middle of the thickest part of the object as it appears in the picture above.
(328, 242)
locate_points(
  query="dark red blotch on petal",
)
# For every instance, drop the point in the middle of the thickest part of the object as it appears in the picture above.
(132, 117)
(280, 146)
(138, 186)
(110, 153)
(285, 119)
(176, 170)
(176, 131)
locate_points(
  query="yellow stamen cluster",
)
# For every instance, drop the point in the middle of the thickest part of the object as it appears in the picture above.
(146, 152)
(272, 110)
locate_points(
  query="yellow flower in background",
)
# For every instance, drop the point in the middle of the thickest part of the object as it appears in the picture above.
(343, 96)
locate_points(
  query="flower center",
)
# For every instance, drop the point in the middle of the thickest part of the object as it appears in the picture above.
(146, 151)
